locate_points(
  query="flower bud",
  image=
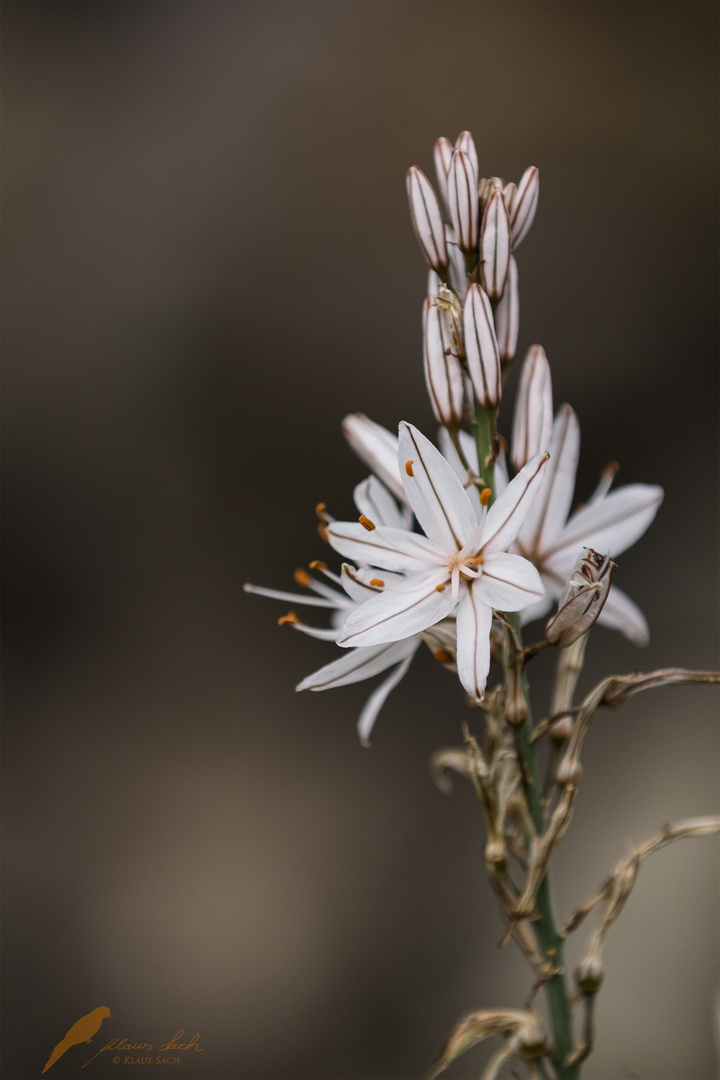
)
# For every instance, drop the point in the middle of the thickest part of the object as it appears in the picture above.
(524, 205)
(481, 348)
(443, 370)
(495, 246)
(463, 201)
(590, 974)
(507, 315)
(457, 278)
(466, 143)
(533, 419)
(427, 220)
(582, 599)
(442, 154)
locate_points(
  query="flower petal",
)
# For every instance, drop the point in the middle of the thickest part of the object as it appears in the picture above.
(474, 620)
(509, 510)
(391, 549)
(437, 497)
(611, 525)
(509, 582)
(549, 513)
(622, 613)
(396, 614)
(357, 664)
(377, 447)
(374, 500)
(375, 702)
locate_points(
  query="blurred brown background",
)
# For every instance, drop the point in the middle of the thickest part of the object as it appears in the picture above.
(208, 262)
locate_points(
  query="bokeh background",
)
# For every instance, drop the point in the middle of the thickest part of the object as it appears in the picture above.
(208, 262)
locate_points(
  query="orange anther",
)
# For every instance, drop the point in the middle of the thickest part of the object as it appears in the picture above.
(485, 496)
(291, 617)
(302, 577)
(478, 560)
(442, 656)
(322, 530)
(409, 468)
(320, 511)
(366, 523)
(440, 588)
(378, 582)
(317, 565)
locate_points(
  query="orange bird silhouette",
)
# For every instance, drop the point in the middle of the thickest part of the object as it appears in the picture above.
(80, 1032)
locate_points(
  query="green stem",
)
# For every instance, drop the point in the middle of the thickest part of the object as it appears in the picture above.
(550, 942)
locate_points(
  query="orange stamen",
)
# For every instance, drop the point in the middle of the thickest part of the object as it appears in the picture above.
(409, 468)
(291, 617)
(440, 588)
(366, 523)
(320, 511)
(302, 577)
(378, 582)
(322, 530)
(485, 496)
(317, 565)
(442, 656)
(478, 560)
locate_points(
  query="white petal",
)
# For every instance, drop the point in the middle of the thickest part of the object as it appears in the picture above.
(469, 449)
(377, 447)
(456, 263)
(524, 205)
(442, 154)
(427, 219)
(396, 614)
(545, 521)
(375, 702)
(622, 613)
(356, 665)
(474, 620)
(533, 419)
(437, 497)
(611, 525)
(374, 500)
(509, 582)
(495, 246)
(481, 347)
(508, 512)
(392, 549)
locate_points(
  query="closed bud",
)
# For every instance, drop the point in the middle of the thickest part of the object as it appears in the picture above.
(533, 419)
(524, 205)
(481, 348)
(457, 278)
(466, 143)
(463, 201)
(507, 315)
(443, 370)
(495, 246)
(589, 976)
(427, 220)
(442, 155)
(582, 599)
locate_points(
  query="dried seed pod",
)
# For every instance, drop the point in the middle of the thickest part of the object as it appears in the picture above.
(582, 599)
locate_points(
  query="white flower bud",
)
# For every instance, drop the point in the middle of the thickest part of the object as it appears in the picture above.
(427, 220)
(582, 599)
(507, 315)
(481, 348)
(442, 154)
(524, 205)
(443, 370)
(457, 278)
(463, 201)
(533, 419)
(495, 246)
(466, 143)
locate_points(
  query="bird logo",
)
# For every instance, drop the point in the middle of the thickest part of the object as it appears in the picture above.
(82, 1031)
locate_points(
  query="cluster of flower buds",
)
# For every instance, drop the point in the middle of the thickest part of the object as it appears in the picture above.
(470, 318)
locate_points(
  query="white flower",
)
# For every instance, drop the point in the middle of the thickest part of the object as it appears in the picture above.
(371, 498)
(460, 562)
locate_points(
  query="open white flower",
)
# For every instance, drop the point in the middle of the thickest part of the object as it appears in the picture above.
(355, 587)
(460, 562)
